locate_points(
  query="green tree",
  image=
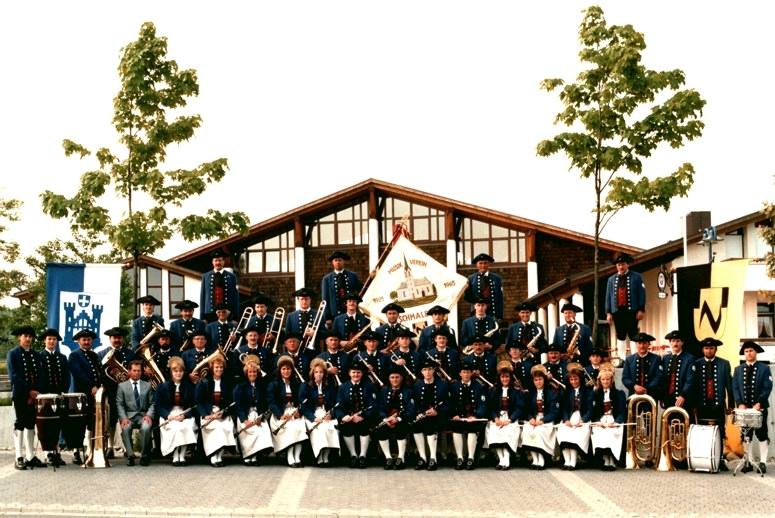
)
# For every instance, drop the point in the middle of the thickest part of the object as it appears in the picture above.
(768, 234)
(152, 88)
(616, 121)
(10, 280)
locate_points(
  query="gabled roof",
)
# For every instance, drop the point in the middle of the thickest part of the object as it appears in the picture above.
(644, 260)
(362, 191)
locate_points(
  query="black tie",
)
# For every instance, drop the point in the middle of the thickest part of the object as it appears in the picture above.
(137, 396)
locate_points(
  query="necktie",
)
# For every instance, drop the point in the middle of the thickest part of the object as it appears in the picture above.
(137, 395)
(709, 391)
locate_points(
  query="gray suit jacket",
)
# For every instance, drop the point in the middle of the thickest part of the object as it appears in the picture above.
(125, 400)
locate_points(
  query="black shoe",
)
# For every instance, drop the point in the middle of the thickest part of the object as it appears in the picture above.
(77, 458)
(421, 464)
(723, 466)
(459, 465)
(130, 461)
(540, 468)
(59, 460)
(389, 463)
(505, 468)
(109, 454)
(470, 465)
(747, 468)
(571, 468)
(533, 467)
(20, 464)
(498, 467)
(144, 460)
(432, 466)
(361, 462)
(36, 463)
(762, 466)
(398, 464)
(353, 462)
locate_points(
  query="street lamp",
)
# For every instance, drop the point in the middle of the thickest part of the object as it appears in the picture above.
(710, 238)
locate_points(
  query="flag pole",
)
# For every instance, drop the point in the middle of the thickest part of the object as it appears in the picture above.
(398, 229)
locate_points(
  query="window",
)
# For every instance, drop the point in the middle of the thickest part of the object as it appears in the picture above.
(274, 255)
(733, 244)
(503, 244)
(153, 287)
(349, 226)
(766, 317)
(177, 293)
(425, 223)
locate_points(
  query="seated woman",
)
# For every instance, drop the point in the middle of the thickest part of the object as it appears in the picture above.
(288, 428)
(319, 397)
(504, 409)
(542, 410)
(573, 433)
(176, 405)
(213, 398)
(608, 414)
(250, 401)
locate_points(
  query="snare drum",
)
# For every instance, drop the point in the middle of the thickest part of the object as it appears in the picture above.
(747, 418)
(74, 422)
(47, 410)
(704, 448)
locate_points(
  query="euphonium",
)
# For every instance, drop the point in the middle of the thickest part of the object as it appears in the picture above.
(144, 352)
(202, 369)
(674, 438)
(113, 368)
(96, 458)
(642, 444)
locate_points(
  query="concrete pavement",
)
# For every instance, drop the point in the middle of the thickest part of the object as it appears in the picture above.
(275, 490)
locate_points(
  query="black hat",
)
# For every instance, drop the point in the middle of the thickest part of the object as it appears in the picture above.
(221, 306)
(201, 332)
(525, 306)
(186, 304)
(623, 258)
(262, 299)
(370, 335)
(84, 333)
(165, 333)
(51, 332)
(437, 310)
(466, 364)
(674, 335)
(712, 342)
(405, 332)
(23, 330)
(287, 336)
(250, 329)
(439, 331)
(555, 347)
(359, 365)
(477, 299)
(351, 296)
(600, 352)
(116, 331)
(339, 255)
(478, 339)
(428, 362)
(303, 292)
(331, 333)
(394, 307)
(397, 369)
(643, 337)
(750, 344)
(220, 252)
(149, 299)
(515, 345)
(482, 257)
(571, 307)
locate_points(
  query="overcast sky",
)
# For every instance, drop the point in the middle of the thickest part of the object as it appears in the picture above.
(308, 98)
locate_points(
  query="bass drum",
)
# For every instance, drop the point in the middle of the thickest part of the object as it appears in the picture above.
(704, 448)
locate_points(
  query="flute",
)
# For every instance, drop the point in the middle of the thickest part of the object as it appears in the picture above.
(172, 417)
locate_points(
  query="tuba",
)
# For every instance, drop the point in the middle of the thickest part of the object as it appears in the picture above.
(674, 438)
(642, 443)
(113, 368)
(202, 369)
(96, 458)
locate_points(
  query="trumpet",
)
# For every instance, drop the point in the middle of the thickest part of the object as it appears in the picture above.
(309, 339)
(275, 329)
(517, 383)
(395, 360)
(442, 373)
(484, 381)
(241, 325)
(590, 380)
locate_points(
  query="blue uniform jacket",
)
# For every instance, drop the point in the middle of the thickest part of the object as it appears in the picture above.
(436, 394)
(684, 379)
(404, 405)
(722, 384)
(329, 290)
(653, 374)
(179, 327)
(475, 407)
(551, 406)
(54, 374)
(275, 396)
(564, 334)
(636, 300)
(762, 385)
(230, 294)
(137, 329)
(247, 396)
(345, 403)
(86, 375)
(22, 382)
(309, 394)
(515, 403)
(468, 331)
(205, 396)
(293, 321)
(165, 398)
(585, 403)
(618, 405)
(340, 324)
(476, 287)
(516, 331)
(426, 342)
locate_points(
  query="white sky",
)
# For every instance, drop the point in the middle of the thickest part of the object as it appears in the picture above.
(307, 98)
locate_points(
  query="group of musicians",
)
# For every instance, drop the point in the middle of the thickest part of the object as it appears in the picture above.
(259, 386)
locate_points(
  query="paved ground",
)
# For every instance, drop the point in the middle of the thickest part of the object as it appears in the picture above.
(274, 490)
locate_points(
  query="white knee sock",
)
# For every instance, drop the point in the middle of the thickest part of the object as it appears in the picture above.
(29, 443)
(472, 439)
(621, 348)
(432, 444)
(401, 448)
(457, 440)
(385, 447)
(17, 442)
(419, 442)
(566, 456)
(574, 455)
(763, 447)
(350, 443)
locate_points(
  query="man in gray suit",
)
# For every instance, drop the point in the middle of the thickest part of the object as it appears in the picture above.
(134, 399)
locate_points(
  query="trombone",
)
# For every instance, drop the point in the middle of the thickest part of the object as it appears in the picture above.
(275, 330)
(309, 339)
(241, 325)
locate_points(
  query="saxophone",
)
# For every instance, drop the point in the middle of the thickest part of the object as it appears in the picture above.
(573, 345)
